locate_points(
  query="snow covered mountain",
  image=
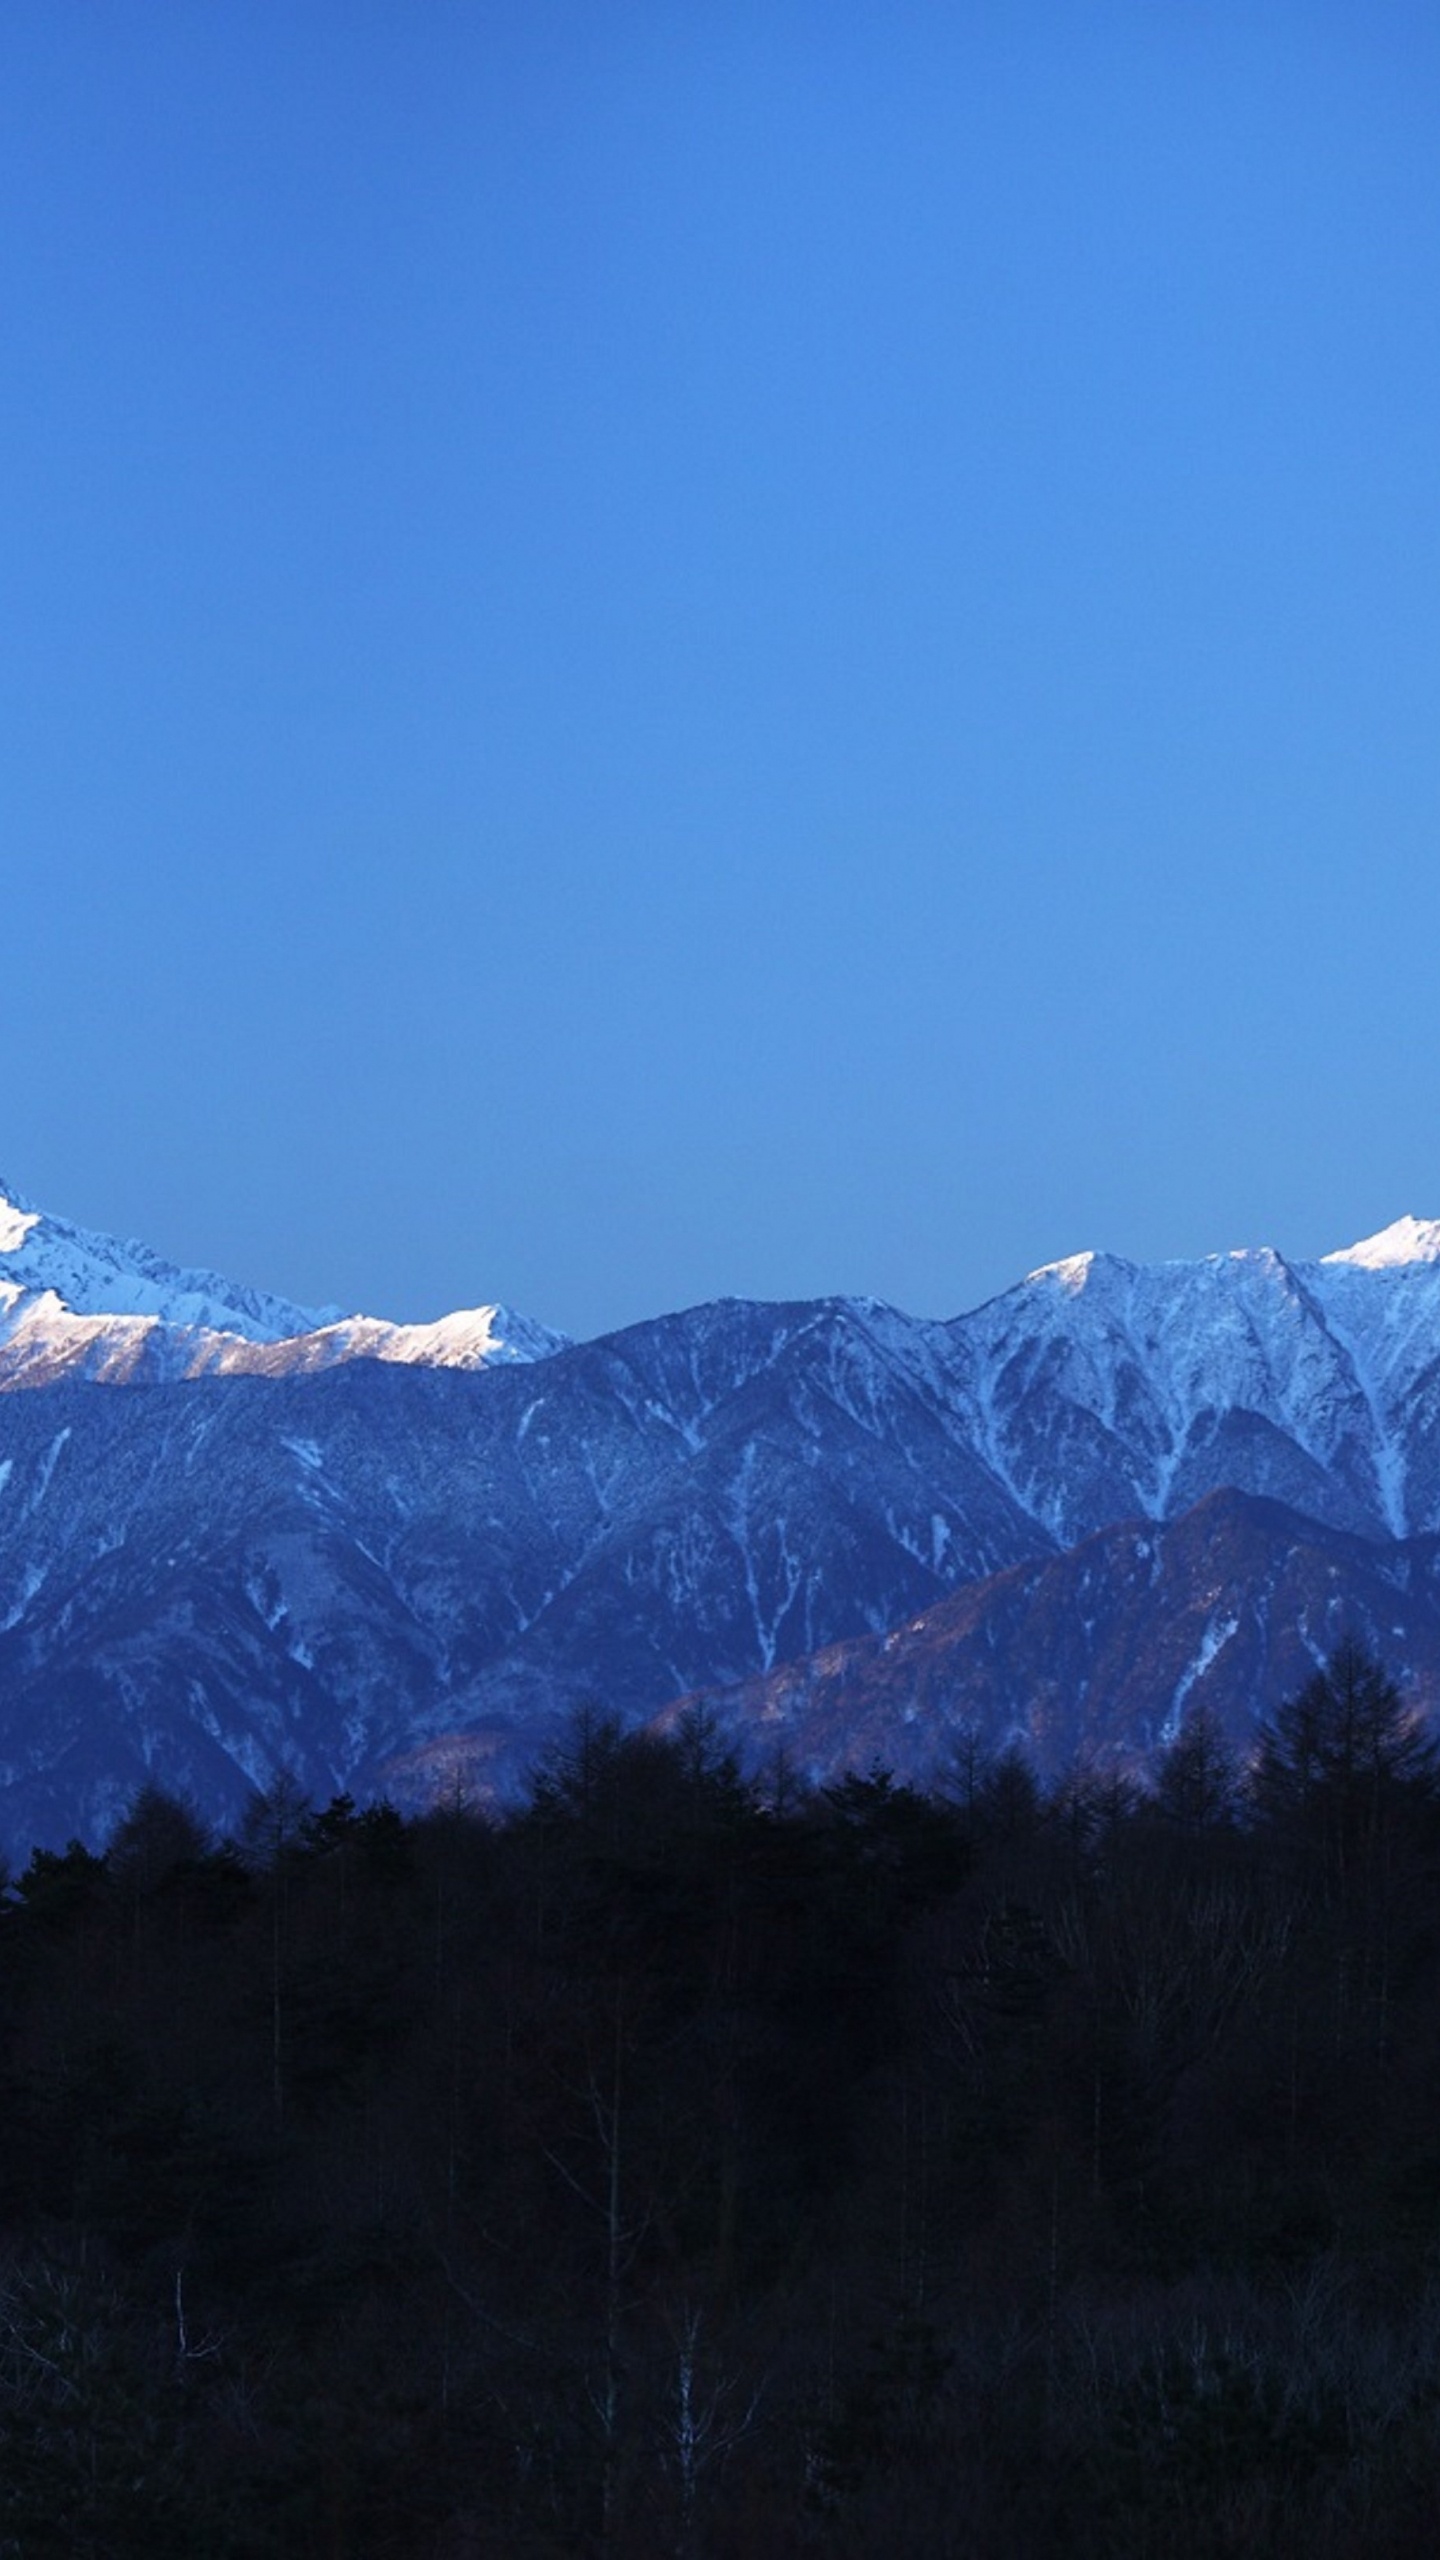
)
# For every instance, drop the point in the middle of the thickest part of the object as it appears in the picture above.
(74, 1303)
(1102, 1388)
(235, 1532)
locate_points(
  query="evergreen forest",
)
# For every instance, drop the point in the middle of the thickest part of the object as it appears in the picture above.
(682, 2167)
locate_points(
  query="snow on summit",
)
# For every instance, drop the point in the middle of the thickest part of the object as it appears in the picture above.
(95, 1275)
(15, 1223)
(78, 1303)
(1408, 1240)
(1071, 1273)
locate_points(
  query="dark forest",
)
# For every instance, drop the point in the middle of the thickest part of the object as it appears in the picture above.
(683, 2165)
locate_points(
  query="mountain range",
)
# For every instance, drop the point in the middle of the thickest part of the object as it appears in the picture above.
(237, 1534)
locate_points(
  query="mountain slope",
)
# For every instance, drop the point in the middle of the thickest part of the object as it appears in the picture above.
(628, 1517)
(1100, 1652)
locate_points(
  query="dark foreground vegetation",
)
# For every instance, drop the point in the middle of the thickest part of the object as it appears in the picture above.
(677, 2168)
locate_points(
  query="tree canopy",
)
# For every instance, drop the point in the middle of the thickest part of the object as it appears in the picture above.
(680, 2166)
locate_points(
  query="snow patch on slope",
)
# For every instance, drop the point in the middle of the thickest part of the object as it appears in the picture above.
(1212, 1643)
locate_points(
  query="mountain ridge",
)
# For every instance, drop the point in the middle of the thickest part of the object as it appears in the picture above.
(383, 1565)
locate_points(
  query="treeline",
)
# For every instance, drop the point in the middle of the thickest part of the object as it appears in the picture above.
(682, 2166)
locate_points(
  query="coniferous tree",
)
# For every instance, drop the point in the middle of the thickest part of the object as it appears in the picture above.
(1197, 1779)
(1345, 1767)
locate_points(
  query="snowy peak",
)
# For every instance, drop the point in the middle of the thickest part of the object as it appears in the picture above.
(15, 1222)
(1408, 1240)
(1105, 1387)
(1072, 1273)
(1077, 1272)
(79, 1304)
(472, 1338)
(95, 1275)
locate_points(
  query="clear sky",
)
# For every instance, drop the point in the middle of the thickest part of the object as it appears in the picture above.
(653, 651)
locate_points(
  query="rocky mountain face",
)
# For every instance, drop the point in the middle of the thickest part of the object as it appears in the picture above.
(236, 1533)
(1095, 1656)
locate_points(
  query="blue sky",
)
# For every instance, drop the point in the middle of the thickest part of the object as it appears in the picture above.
(656, 651)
